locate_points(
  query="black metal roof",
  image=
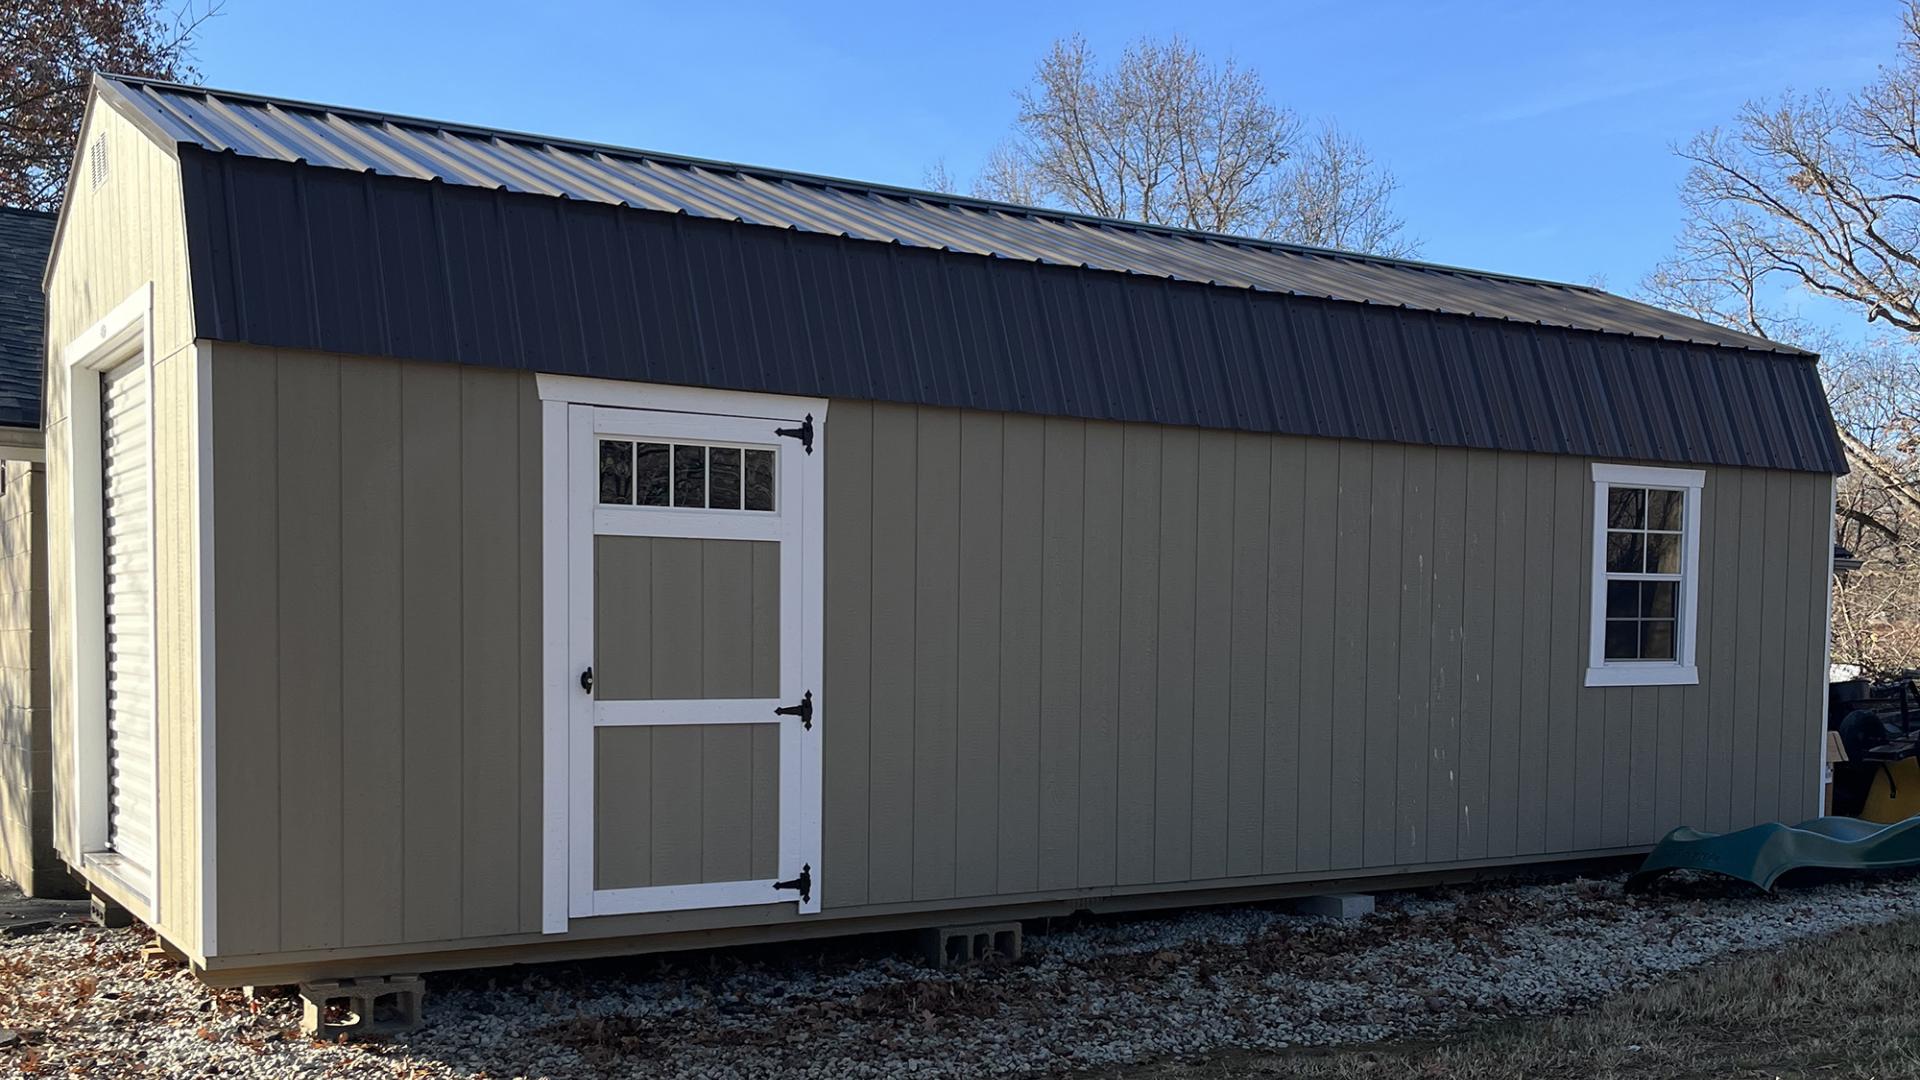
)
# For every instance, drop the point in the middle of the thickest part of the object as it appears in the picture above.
(25, 236)
(319, 228)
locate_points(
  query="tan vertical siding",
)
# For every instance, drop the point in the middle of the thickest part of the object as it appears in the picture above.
(1061, 659)
(176, 582)
(1282, 724)
(115, 238)
(1063, 528)
(1303, 654)
(1022, 518)
(375, 641)
(307, 484)
(846, 768)
(1101, 599)
(935, 607)
(372, 661)
(977, 656)
(1446, 649)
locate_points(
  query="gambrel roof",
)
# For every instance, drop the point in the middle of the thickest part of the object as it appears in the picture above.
(313, 226)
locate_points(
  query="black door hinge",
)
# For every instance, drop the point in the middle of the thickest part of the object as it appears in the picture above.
(804, 711)
(802, 884)
(804, 433)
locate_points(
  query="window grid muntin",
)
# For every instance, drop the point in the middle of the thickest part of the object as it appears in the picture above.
(755, 463)
(1655, 637)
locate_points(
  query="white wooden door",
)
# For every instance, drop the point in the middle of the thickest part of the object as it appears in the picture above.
(695, 727)
(128, 534)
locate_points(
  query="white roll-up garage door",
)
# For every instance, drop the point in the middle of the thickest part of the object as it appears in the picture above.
(129, 597)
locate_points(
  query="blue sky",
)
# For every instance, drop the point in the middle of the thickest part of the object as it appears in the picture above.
(1532, 139)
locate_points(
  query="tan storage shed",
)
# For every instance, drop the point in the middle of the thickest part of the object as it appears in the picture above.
(558, 550)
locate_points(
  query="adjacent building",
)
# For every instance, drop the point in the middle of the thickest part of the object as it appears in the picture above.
(27, 855)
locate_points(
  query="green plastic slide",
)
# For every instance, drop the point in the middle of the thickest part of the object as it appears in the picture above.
(1762, 853)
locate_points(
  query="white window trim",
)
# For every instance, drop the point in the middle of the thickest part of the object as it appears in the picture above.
(123, 335)
(561, 581)
(1684, 669)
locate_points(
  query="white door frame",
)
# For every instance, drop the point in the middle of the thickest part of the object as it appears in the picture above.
(573, 411)
(124, 335)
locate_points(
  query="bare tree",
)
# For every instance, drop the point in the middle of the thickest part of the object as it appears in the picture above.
(935, 177)
(1006, 177)
(1336, 196)
(1820, 190)
(1821, 193)
(48, 50)
(1167, 137)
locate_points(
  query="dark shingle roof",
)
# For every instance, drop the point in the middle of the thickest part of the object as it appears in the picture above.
(25, 236)
(274, 129)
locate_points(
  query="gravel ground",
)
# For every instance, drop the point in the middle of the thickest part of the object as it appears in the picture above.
(1090, 995)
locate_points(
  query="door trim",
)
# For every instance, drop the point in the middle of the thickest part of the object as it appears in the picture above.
(562, 583)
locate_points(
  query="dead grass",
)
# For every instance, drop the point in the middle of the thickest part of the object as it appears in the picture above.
(1845, 1007)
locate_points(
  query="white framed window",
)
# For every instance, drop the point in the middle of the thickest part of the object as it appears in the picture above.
(1646, 576)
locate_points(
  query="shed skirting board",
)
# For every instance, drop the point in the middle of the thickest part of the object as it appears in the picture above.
(618, 936)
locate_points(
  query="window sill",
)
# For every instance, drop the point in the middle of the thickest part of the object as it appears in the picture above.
(1643, 675)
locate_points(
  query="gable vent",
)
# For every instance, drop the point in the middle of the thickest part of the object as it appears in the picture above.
(97, 161)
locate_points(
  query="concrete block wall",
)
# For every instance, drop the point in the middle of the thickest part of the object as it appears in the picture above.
(26, 738)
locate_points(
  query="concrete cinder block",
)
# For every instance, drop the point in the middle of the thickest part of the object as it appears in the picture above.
(107, 913)
(1335, 905)
(949, 947)
(387, 1005)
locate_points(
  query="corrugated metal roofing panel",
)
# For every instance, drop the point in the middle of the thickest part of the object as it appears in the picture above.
(358, 141)
(299, 257)
(25, 237)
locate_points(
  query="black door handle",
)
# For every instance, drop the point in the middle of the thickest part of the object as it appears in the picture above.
(586, 680)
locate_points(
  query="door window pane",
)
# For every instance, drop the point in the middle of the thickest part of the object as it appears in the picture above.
(650, 474)
(759, 480)
(616, 472)
(723, 463)
(689, 475)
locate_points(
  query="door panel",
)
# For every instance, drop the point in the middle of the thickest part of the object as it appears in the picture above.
(677, 618)
(694, 751)
(686, 804)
